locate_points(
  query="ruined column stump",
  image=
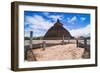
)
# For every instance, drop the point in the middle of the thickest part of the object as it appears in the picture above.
(30, 56)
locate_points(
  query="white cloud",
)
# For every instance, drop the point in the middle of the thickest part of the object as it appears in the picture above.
(85, 31)
(82, 18)
(72, 20)
(46, 13)
(38, 24)
(55, 17)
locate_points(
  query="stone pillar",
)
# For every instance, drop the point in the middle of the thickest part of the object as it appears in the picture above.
(68, 40)
(85, 43)
(31, 37)
(29, 53)
(44, 45)
(63, 40)
(77, 43)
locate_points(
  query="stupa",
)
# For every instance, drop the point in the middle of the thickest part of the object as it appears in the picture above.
(57, 32)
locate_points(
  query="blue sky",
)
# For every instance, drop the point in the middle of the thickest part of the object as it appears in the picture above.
(78, 24)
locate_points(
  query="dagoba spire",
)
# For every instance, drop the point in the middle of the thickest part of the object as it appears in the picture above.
(58, 20)
(58, 23)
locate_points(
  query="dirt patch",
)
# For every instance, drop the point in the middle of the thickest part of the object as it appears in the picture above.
(59, 52)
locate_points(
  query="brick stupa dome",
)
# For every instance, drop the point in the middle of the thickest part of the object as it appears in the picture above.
(57, 32)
